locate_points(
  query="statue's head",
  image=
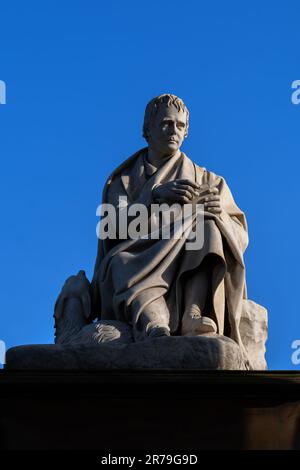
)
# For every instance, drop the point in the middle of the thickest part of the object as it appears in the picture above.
(166, 123)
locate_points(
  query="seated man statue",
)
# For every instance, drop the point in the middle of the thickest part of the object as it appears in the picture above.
(156, 286)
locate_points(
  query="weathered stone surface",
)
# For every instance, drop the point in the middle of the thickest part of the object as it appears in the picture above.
(254, 331)
(204, 352)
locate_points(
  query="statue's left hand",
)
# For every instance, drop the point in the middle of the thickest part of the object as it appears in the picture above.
(211, 200)
(181, 191)
(77, 287)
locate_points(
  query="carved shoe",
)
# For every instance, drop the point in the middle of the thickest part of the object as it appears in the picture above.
(155, 330)
(193, 323)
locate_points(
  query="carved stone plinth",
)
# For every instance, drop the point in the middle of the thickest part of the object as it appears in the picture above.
(176, 352)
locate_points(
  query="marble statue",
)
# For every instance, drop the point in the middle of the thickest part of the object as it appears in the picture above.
(152, 289)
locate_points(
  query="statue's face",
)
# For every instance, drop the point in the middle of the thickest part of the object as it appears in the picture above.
(167, 130)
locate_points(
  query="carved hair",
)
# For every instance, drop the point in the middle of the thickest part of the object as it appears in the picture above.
(153, 106)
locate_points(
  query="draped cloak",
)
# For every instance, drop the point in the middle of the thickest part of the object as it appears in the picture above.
(150, 268)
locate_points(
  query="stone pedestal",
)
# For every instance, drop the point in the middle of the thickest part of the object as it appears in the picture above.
(205, 352)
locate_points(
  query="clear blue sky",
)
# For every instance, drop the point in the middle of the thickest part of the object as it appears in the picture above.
(78, 76)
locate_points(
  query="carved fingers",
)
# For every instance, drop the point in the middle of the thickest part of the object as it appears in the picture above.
(186, 191)
(211, 200)
(213, 204)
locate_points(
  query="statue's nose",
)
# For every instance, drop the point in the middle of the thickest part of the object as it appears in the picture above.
(172, 129)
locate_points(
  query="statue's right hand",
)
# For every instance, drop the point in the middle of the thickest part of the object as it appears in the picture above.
(180, 190)
(77, 287)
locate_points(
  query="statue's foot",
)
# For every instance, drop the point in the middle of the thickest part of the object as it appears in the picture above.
(152, 329)
(193, 323)
(158, 331)
(200, 326)
(205, 325)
